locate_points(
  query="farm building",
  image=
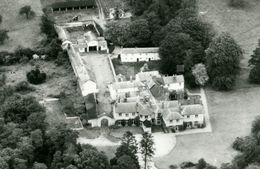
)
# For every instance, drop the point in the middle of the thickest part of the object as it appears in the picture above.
(139, 54)
(72, 5)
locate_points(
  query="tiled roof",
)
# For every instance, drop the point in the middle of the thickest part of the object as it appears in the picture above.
(159, 92)
(146, 108)
(173, 79)
(71, 3)
(126, 84)
(192, 109)
(147, 76)
(128, 107)
(139, 50)
(171, 115)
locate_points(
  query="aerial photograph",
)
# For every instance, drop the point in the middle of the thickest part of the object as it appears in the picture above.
(129, 84)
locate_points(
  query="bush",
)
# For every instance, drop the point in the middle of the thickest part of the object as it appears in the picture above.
(3, 36)
(23, 87)
(36, 76)
(237, 3)
(254, 76)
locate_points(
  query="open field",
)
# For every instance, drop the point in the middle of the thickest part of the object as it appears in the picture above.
(231, 115)
(59, 78)
(22, 32)
(243, 24)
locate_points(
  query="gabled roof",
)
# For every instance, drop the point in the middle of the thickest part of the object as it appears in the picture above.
(139, 50)
(159, 92)
(126, 84)
(71, 3)
(145, 108)
(173, 79)
(171, 115)
(192, 109)
(127, 107)
(147, 76)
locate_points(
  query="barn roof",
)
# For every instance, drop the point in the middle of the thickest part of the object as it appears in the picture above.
(139, 50)
(71, 4)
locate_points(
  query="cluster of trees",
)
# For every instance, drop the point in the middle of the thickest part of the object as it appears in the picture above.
(184, 40)
(126, 153)
(28, 142)
(254, 76)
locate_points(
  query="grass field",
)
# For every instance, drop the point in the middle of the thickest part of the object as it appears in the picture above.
(59, 78)
(22, 32)
(243, 24)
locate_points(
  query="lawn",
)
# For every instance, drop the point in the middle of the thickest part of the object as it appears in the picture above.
(54, 114)
(22, 32)
(131, 69)
(231, 115)
(243, 24)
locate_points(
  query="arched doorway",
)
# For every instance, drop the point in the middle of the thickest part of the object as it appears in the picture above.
(104, 123)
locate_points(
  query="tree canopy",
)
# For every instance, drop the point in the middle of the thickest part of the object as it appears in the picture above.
(223, 57)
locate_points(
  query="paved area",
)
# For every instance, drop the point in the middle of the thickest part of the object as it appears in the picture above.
(99, 65)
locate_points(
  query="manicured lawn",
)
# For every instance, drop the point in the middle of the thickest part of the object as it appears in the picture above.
(231, 115)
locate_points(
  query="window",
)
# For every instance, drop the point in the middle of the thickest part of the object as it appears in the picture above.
(196, 122)
(141, 116)
(133, 114)
(120, 114)
(177, 120)
(126, 114)
(170, 121)
(146, 117)
(188, 116)
(196, 116)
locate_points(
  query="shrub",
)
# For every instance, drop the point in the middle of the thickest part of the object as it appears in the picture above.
(36, 76)
(23, 87)
(27, 10)
(254, 76)
(237, 3)
(3, 36)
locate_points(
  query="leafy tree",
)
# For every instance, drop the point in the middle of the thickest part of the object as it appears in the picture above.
(91, 158)
(47, 27)
(201, 164)
(35, 76)
(3, 36)
(223, 56)
(147, 147)
(37, 138)
(125, 162)
(1, 19)
(3, 164)
(254, 75)
(26, 10)
(179, 49)
(199, 71)
(18, 109)
(39, 166)
(256, 126)
(128, 148)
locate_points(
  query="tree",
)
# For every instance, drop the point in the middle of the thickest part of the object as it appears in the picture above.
(39, 166)
(26, 10)
(125, 162)
(17, 108)
(199, 71)
(147, 147)
(256, 126)
(223, 56)
(253, 166)
(128, 148)
(3, 164)
(254, 75)
(201, 164)
(3, 36)
(91, 158)
(35, 76)
(1, 19)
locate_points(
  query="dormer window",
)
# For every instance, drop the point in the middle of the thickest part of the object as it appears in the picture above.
(170, 121)
(126, 114)
(146, 117)
(188, 116)
(120, 114)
